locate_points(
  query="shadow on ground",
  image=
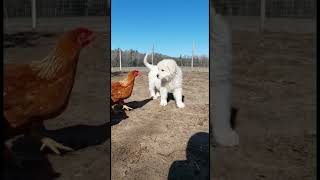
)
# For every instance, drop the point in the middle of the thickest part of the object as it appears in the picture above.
(233, 122)
(171, 97)
(196, 166)
(28, 162)
(138, 104)
(118, 73)
(121, 115)
(24, 39)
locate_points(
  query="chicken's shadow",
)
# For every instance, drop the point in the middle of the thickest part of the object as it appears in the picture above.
(121, 115)
(30, 163)
(80, 136)
(138, 104)
(27, 162)
(118, 117)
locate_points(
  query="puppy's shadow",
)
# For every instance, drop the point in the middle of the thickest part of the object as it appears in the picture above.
(233, 118)
(233, 121)
(171, 97)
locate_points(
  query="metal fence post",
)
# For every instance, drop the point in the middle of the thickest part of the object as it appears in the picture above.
(262, 14)
(120, 59)
(192, 56)
(34, 14)
(152, 54)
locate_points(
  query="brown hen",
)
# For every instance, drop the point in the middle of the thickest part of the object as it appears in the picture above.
(122, 90)
(40, 90)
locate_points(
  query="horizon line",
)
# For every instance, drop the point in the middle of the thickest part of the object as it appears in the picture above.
(149, 52)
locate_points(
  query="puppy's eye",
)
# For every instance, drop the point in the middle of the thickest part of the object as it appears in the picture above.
(162, 70)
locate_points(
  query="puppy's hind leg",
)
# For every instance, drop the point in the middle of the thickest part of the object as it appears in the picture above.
(152, 92)
(178, 97)
(164, 96)
(152, 89)
(157, 94)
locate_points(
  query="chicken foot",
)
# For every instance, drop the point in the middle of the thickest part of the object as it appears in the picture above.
(53, 145)
(46, 141)
(125, 107)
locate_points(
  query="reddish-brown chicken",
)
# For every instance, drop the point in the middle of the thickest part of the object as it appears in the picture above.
(122, 90)
(40, 90)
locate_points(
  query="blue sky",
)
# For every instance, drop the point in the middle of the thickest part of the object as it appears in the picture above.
(172, 25)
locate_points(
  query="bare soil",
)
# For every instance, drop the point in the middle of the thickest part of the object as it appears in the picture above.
(274, 90)
(150, 139)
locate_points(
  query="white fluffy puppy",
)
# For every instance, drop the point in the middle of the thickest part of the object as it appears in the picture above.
(165, 78)
(154, 82)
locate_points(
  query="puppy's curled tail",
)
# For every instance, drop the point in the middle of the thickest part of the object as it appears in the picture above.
(149, 66)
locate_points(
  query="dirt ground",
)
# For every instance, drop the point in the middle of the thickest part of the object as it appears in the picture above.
(84, 125)
(152, 139)
(274, 89)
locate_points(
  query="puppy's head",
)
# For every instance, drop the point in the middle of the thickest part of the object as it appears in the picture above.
(166, 69)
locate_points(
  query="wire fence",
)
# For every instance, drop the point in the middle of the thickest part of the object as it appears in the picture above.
(293, 16)
(273, 8)
(54, 15)
(55, 8)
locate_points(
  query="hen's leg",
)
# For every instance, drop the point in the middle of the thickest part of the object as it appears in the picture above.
(53, 145)
(113, 108)
(127, 108)
(46, 141)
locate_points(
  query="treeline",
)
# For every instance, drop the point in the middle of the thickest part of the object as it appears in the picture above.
(133, 58)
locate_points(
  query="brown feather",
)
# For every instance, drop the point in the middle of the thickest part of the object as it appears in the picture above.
(40, 90)
(122, 90)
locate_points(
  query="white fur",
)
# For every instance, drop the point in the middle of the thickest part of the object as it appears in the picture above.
(165, 77)
(220, 84)
(154, 82)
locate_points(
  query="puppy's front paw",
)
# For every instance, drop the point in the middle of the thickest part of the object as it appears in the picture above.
(163, 103)
(154, 97)
(228, 138)
(180, 105)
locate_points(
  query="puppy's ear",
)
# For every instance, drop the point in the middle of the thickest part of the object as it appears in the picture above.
(172, 68)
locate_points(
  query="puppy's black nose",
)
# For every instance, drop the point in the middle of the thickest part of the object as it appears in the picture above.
(157, 75)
